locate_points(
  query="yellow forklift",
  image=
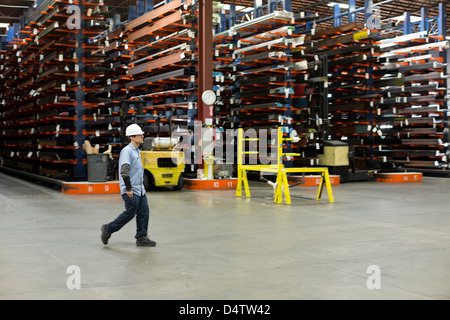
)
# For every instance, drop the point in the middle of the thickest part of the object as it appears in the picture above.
(163, 164)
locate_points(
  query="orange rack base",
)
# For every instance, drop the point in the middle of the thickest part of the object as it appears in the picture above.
(110, 187)
(313, 180)
(399, 177)
(203, 184)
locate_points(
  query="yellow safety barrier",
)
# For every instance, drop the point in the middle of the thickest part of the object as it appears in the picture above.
(282, 184)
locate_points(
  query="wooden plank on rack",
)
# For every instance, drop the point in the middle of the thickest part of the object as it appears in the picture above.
(48, 58)
(164, 61)
(362, 105)
(148, 17)
(37, 13)
(167, 75)
(418, 110)
(418, 131)
(268, 105)
(110, 35)
(425, 77)
(347, 61)
(260, 117)
(47, 73)
(402, 89)
(261, 80)
(147, 30)
(46, 46)
(260, 56)
(47, 17)
(47, 30)
(424, 142)
(332, 31)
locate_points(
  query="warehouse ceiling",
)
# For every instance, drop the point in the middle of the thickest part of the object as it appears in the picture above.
(388, 8)
(12, 10)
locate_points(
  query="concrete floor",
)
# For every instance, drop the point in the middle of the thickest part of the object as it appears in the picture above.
(212, 245)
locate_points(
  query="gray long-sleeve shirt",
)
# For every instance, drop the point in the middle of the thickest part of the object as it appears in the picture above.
(130, 164)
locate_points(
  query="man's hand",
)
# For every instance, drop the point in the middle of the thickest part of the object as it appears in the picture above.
(130, 194)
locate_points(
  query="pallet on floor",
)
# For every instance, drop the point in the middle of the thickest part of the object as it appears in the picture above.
(86, 187)
(213, 184)
(399, 177)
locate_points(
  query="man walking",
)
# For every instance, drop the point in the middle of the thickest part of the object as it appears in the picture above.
(131, 179)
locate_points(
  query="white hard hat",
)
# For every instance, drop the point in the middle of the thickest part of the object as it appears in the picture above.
(133, 129)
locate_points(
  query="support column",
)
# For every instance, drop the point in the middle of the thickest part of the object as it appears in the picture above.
(258, 10)
(368, 11)
(232, 15)
(407, 23)
(424, 21)
(447, 104)
(324, 94)
(132, 12)
(80, 168)
(16, 30)
(205, 60)
(149, 5)
(336, 15)
(309, 24)
(20, 35)
(272, 5)
(116, 21)
(351, 11)
(140, 5)
(10, 33)
(287, 5)
(442, 25)
(223, 25)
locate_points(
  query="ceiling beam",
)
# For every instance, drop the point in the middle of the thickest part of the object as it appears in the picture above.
(13, 7)
(9, 18)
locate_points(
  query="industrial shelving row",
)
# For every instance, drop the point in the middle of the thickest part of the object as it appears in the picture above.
(262, 84)
(336, 77)
(162, 72)
(65, 86)
(395, 117)
(387, 98)
(161, 78)
(106, 58)
(351, 55)
(41, 76)
(414, 104)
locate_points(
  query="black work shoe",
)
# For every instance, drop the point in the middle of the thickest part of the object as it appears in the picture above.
(145, 242)
(105, 235)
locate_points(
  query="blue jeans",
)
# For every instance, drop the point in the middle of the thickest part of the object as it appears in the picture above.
(136, 206)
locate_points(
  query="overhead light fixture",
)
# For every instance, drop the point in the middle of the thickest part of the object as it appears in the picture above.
(341, 5)
(4, 25)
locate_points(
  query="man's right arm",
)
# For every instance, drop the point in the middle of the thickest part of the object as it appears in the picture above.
(125, 173)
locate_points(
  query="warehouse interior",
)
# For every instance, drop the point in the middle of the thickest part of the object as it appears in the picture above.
(294, 149)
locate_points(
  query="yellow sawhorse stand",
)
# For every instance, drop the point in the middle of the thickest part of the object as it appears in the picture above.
(282, 184)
